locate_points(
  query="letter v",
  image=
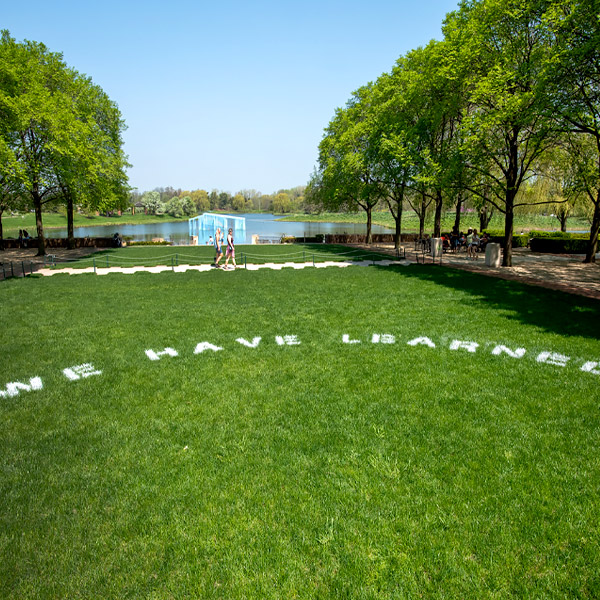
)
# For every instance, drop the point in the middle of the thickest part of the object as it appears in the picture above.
(253, 344)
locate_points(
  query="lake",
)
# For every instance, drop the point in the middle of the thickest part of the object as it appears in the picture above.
(256, 224)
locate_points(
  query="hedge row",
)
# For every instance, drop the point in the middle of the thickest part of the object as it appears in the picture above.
(559, 245)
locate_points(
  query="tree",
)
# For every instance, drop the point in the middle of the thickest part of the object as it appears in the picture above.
(200, 200)
(347, 175)
(573, 75)
(503, 48)
(61, 130)
(282, 203)
(238, 203)
(152, 203)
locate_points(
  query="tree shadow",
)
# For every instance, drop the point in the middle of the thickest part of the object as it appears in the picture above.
(550, 310)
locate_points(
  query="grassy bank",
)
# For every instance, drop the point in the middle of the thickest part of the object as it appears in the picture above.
(11, 225)
(297, 465)
(410, 221)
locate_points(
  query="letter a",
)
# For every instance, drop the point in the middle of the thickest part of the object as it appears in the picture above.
(425, 341)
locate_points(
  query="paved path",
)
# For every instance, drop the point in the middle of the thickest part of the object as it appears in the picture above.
(564, 272)
(202, 268)
(561, 272)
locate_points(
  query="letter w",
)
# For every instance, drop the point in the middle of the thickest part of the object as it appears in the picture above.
(253, 344)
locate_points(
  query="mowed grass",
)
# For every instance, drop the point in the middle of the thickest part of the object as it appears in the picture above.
(146, 255)
(315, 470)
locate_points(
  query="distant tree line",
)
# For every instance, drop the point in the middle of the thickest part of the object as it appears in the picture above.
(504, 113)
(180, 203)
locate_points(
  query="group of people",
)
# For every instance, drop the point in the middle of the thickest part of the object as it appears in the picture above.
(23, 238)
(218, 243)
(471, 241)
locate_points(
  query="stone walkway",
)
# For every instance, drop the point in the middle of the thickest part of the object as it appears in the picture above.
(564, 272)
(560, 272)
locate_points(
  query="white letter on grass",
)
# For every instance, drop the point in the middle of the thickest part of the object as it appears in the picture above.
(202, 346)
(253, 344)
(468, 346)
(12, 389)
(518, 353)
(289, 340)
(552, 358)
(591, 367)
(384, 338)
(156, 355)
(85, 370)
(346, 339)
(421, 340)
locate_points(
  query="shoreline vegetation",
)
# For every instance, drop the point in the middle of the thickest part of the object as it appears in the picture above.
(410, 224)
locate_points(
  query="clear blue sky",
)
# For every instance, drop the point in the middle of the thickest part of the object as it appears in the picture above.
(227, 94)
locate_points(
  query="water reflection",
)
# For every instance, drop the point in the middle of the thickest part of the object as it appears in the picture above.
(264, 225)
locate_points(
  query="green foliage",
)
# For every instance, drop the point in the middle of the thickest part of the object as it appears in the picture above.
(61, 136)
(560, 244)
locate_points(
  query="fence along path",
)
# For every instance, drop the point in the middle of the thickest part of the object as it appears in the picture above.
(181, 262)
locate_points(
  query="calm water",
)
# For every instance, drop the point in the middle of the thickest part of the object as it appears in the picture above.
(262, 225)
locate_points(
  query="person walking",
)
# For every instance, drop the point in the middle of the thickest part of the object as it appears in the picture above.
(230, 250)
(218, 247)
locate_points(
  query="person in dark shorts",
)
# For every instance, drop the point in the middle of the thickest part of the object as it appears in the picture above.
(230, 249)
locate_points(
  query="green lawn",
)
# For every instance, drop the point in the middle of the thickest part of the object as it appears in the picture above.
(197, 255)
(410, 221)
(318, 469)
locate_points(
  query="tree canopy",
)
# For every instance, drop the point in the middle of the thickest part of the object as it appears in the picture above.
(61, 136)
(479, 113)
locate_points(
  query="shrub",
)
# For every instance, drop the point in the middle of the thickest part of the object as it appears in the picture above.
(559, 245)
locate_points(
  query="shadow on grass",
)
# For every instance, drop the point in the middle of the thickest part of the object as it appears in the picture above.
(553, 311)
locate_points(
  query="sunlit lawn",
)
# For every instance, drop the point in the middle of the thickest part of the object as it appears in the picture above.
(302, 467)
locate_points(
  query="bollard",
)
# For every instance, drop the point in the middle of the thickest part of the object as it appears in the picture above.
(94, 261)
(12, 269)
(23, 268)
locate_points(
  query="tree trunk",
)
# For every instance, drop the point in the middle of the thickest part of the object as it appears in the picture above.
(398, 234)
(70, 235)
(37, 204)
(563, 221)
(485, 216)
(459, 202)
(369, 209)
(590, 255)
(508, 233)
(437, 223)
(422, 216)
